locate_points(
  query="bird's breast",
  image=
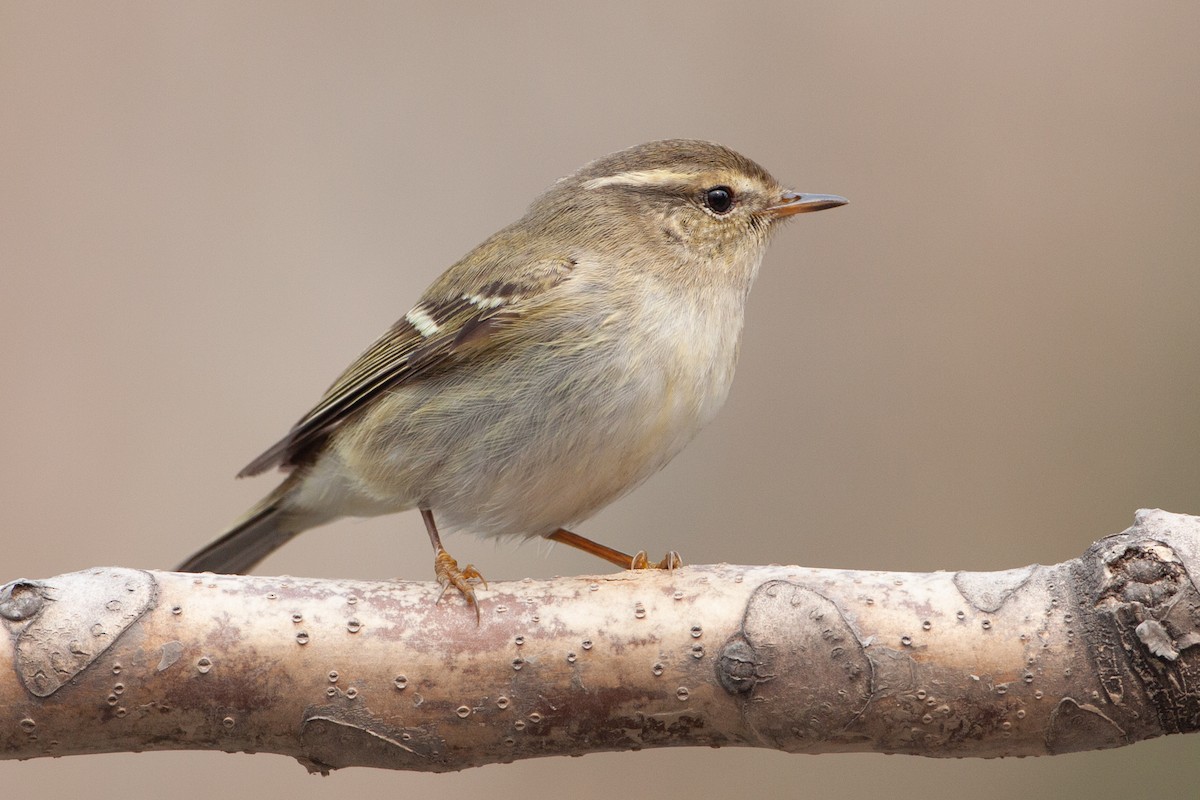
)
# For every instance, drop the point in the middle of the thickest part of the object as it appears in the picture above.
(584, 409)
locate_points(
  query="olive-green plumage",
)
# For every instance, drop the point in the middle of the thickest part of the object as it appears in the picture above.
(551, 370)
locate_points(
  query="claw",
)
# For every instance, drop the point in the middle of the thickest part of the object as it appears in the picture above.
(640, 561)
(445, 568)
(670, 561)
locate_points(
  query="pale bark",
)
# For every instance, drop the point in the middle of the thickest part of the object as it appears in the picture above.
(1092, 653)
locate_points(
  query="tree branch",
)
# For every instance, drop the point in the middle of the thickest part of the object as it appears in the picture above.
(1095, 652)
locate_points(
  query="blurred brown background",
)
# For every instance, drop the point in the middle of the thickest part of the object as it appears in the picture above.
(987, 359)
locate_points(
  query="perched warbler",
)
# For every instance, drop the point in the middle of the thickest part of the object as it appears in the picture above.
(554, 368)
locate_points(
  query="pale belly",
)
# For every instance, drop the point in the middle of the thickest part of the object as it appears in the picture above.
(500, 454)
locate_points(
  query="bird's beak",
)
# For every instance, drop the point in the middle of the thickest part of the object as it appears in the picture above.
(795, 203)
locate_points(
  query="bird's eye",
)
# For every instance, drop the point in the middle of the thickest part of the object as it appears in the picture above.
(719, 199)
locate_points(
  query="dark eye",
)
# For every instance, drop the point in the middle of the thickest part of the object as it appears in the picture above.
(719, 199)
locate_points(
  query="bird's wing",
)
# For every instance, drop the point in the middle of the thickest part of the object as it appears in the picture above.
(446, 326)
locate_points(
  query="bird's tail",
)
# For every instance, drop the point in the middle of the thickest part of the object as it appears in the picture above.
(264, 529)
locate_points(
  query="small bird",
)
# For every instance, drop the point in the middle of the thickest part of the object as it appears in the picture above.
(550, 371)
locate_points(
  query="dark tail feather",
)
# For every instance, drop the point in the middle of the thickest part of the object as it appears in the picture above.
(254, 537)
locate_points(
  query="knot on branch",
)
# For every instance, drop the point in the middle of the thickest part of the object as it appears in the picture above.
(797, 667)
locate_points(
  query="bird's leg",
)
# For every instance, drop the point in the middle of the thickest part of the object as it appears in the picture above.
(446, 568)
(639, 561)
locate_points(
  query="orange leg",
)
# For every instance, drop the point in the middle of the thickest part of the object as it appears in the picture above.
(446, 568)
(639, 561)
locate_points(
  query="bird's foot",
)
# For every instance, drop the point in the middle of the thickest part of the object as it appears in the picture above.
(670, 561)
(445, 568)
(640, 561)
